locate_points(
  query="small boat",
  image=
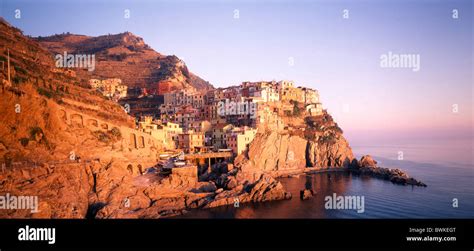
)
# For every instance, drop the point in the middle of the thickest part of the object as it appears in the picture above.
(179, 163)
(225, 150)
(164, 156)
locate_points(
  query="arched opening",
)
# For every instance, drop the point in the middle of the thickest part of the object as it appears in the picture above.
(63, 115)
(92, 123)
(76, 120)
(141, 142)
(133, 141)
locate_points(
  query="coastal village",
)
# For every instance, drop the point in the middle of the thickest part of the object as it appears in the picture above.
(190, 121)
(218, 124)
(124, 143)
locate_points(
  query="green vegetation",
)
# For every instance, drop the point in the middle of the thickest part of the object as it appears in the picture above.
(20, 70)
(120, 57)
(37, 134)
(296, 108)
(24, 141)
(102, 136)
(335, 128)
(116, 133)
(17, 79)
(328, 139)
(35, 131)
(44, 92)
(107, 137)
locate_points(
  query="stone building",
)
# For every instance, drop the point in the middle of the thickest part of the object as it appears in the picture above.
(239, 138)
(167, 133)
(110, 87)
(310, 96)
(190, 141)
(218, 135)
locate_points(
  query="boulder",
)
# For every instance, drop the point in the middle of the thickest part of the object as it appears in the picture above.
(306, 194)
(231, 183)
(367, 161)
(207, 187)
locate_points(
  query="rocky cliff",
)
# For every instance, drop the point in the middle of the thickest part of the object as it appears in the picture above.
(305, 141)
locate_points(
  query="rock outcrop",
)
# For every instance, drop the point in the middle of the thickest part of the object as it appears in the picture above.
(284, 152)
(160, 198)
(367, 161)
(329, 154)
(264, 188)
(368, 166)
(273, 152)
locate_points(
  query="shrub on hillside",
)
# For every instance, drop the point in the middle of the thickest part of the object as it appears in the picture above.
(296, 108)
(328, 139)
(116, 133)
(107, 137)
(102, 136)
(20, 70)
(44, 92)
(35, 131)
(24, 141)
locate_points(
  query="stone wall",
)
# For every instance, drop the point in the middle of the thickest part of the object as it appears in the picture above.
(132, 138)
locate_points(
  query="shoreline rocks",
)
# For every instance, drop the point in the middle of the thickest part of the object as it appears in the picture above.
(265, 188)
(124, 195)
(368, 166)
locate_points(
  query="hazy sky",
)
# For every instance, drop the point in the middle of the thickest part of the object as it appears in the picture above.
(339, 57)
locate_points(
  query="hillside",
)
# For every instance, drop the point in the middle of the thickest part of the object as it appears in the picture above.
(128, 57)
(47, 112)
(79, 153)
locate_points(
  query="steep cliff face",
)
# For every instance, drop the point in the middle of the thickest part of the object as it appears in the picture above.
(336, 154)
(310, 142)
(274, 151)
(326, 146)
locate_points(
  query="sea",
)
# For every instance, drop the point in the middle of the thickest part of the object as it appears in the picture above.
(446, 166)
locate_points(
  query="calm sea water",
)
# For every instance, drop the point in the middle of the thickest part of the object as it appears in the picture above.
(445, 166)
